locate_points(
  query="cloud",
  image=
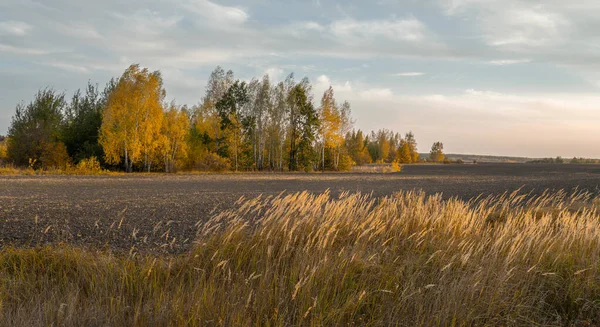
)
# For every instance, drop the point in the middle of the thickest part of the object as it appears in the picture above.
(215, 12)
(555, 33)
(22, 50)
(350, 46)
(485, 121)
(524, 26)
(478, 120)
(274, 73)
(509, 62)
(410, 29)
(376, 94)
(68, 67)
(16, 28)
(409, 74)
(323, 83)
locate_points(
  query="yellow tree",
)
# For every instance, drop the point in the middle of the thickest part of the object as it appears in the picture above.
(3, 154)
(173, 137)
(132, 119)
(330, 124)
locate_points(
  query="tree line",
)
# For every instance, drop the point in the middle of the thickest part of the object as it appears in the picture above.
(238, 125)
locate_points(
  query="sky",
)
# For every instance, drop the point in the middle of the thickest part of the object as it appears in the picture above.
(498, 77)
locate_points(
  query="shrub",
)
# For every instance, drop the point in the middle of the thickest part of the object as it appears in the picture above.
(54, 156)
(345, 163)
(394, 167)
(3, 152)
(212, 162)
(88, 166)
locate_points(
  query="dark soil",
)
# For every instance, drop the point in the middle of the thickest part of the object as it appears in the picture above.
(158, 213)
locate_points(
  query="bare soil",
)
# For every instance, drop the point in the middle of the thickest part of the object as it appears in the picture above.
(158, 213)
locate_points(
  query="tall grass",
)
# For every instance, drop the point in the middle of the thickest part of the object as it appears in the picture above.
(303, 259)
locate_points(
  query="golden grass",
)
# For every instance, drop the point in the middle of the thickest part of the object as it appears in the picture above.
(12, 171)
(393, 167)
(303, 259)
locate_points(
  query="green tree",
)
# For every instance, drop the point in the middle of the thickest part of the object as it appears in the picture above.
(356, 144)
(35, 131)
(303, 126)
(233, 121)
(83, 119)
(437, 152)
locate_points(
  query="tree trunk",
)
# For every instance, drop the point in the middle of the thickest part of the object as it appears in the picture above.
(127, 167)
(323, 154)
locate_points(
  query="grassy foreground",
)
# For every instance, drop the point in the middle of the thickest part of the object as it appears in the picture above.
(304, 259)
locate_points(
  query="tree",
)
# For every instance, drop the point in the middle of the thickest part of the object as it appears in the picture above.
(232, 121)
(404, 153)
(83, 119)
(346, 124)
(3, 142)
(412, 145)
(330, 124)
(277, 123)
(437, 152)
(218, 84)
(261, 107)
(132, 119)
(356, 144)
(173, 136)
(303, 126)
(383, 142)
(35, 131)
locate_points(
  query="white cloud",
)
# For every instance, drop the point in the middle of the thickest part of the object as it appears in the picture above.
(409, 74)
(524, 26)
(376, 94)
(68, 67)
(505, 62)
(483, 121)
(22, 50)
(515, 24)
(216, 12)
(16, 28)
(274, 73)
(323, 83)
(410, 29)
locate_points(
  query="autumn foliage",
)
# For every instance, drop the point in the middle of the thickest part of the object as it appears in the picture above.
(238, 125)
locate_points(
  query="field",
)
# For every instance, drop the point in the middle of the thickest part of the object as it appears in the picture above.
(179, 250)
(159, 213)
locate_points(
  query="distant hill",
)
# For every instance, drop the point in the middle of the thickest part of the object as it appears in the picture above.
(470, 158)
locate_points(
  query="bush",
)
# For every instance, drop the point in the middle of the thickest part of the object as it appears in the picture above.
(345, 163)
(89, 166)
(213, 162)
(393, 168)
(54, 156)
(3, 152)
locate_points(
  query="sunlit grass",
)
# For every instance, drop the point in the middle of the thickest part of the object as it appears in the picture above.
(304, 259)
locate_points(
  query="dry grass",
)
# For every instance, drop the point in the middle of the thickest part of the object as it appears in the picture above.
(394, 167)
(304, 259)
(69, 170)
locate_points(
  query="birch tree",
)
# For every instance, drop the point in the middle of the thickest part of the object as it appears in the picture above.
(174, 133)
(132, 119)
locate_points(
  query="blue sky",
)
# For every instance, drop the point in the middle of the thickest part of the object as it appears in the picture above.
(505, 77)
